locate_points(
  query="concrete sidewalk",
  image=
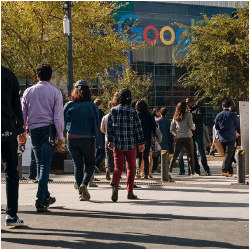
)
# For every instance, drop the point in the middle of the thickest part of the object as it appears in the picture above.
(205, 212)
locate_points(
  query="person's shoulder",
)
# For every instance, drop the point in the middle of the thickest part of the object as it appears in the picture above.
(189, 115)
(68, 104)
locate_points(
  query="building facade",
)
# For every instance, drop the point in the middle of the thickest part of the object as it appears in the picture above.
(155, 22)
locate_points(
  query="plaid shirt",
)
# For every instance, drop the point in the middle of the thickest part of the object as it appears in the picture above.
(124, 128)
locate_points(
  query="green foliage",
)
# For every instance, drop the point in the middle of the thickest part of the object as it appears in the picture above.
(218, 59)
(32, 32)
(138, 85)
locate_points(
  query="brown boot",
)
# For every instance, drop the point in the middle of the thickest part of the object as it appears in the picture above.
(108, 175)
(114, 196)
(131, 196)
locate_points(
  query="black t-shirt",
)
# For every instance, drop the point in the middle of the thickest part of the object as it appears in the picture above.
(11, 111)
(148, 124)
(198, 117)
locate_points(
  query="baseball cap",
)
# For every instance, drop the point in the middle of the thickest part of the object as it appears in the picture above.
(80, 83)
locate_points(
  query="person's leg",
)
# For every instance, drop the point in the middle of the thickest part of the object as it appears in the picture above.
(196, 160)
(43, 151)
(88, 151)
(119, 159)
(9, 155)
(181, 162)
(229, 149)
(100, 155)
(130, 159)
(190, 148)
(145, 158)
(177, 148)
(151, 162)
(77, 158)
(199, 141)
(33, 167)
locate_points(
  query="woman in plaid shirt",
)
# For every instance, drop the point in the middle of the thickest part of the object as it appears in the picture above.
(124, 135)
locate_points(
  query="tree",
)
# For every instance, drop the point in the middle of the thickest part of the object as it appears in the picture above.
(138, 85)
(217, 62)
(32, 33)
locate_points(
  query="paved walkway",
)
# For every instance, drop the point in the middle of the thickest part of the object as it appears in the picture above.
(206, 212)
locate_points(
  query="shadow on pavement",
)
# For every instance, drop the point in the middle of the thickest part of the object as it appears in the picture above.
(62, 211)
(89, 239)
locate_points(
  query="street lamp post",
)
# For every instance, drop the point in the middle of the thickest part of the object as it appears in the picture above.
(67, 29)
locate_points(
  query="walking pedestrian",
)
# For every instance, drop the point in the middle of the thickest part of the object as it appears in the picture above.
(11, 127)
(124, 135)
(198, 118)
(227, 124)
(43, 115)
(109, 159)
(82, 124)
(148, 127)
(181, 127)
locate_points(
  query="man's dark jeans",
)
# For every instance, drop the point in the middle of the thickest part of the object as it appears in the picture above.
(33, 168)
(43, 152)
(9, 156)
(198, 143)
(229, 151)
(100, 155)
(83, 152)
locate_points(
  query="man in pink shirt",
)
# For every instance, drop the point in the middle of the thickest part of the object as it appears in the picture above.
(42, 106)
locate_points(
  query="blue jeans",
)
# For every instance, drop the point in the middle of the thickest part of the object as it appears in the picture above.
(43, 152)
(198, 143)
(83, 152)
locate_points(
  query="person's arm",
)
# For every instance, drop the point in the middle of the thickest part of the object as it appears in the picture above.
(110, 127)
(25, 109)
(173, 128)
(16, 106)
(190, 121)
(58, 115)
(97, 126)
(153, 124)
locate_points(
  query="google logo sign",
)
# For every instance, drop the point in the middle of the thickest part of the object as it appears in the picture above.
(174, 36)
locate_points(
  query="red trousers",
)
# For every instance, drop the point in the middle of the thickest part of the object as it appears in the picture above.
(119, 160)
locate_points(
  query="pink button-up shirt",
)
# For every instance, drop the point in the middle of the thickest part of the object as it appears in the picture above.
(42, 106)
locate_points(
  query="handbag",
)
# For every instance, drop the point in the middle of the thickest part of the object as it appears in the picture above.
(219, 147)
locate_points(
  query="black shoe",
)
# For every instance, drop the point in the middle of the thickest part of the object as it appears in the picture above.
(199, 173)
(49, 201)
(41, 208)
(181, 173)
(145, 177)
(11, 221)
(208, 173)
(135, 186)
(114, 196)
(50, 180)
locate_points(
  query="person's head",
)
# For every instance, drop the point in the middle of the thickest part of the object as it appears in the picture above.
(156, 112)
(141, 106)
(122, 97)
(226, 104)
(190, 102)
(163, 112)
(81, 92)
(43, 72)
(180, 111)
(133, 104)
(98, 102)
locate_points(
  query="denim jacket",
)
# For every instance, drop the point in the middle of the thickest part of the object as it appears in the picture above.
(82, 118)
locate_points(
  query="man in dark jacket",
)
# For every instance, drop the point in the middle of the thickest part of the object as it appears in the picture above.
(228, 124)
(198, 117)
(12, 126)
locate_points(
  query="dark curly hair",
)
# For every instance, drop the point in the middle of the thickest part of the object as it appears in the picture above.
(122, 97)
(180, 111)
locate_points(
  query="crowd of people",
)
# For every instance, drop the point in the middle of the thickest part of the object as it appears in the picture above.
(128, 135)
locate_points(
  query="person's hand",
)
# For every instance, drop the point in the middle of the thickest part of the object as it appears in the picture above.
(141, 148)
(59, 145)
(22, 141)
(237, 134)
(110, 145)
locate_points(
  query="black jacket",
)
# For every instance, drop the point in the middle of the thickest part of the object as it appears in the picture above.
(11, 111)
(148, 124)
(198, 117)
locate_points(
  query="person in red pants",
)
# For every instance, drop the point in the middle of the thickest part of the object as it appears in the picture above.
(124, 135)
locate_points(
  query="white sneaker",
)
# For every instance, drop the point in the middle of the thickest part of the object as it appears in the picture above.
(13, 221)
(195, 175)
